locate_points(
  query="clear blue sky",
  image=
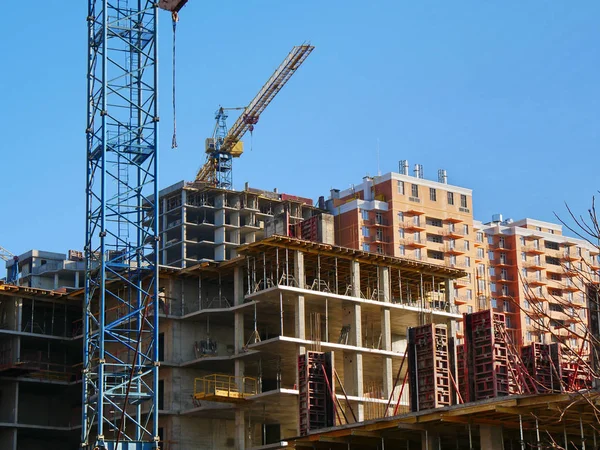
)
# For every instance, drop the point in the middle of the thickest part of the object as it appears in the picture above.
(504, 95)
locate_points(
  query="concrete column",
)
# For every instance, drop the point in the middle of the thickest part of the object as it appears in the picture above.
(163, 237)
(55, 281)
(76, 279)
(449, 291)
(491, 437)
(240, 429)
(355, 277)
(183, 228)
(238, 344)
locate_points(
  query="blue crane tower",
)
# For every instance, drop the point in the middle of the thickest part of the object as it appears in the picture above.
(120, 356)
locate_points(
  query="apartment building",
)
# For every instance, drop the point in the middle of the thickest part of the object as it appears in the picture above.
(203, 223)
(537, 276)
(408, 216)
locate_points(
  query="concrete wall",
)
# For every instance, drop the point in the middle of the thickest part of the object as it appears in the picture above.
(8, 401)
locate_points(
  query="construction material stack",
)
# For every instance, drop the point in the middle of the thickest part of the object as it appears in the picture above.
(542, 362)
(429, 365)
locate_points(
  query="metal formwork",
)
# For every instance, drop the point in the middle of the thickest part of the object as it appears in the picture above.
(462, 371)
(542, 362)
(316, 409)
(429, 366)
(487, 353)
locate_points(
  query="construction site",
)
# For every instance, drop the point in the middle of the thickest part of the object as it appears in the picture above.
(201, 316)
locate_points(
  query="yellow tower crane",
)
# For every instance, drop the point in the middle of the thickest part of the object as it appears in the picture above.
(226, 144)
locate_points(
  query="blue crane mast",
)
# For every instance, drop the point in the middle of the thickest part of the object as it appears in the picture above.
(120, 356)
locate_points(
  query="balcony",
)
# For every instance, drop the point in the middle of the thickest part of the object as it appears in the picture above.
(499, 262)
(413, 243)
(378, 222)
(534, 264)
(505, 294)
(504, 278)
(501, 246)
(570, 256)
(536, 280)
(461, 300)
(462, 282)
(455, 265)
(533, 249)
(410, 225)
(454, 249)
(453, 233)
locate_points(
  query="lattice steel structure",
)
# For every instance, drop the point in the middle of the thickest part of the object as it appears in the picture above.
(120, 373)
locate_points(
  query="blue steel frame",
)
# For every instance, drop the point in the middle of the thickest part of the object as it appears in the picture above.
(120, 373)
(223, 161)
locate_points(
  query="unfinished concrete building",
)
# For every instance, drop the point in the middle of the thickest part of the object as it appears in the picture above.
(49, 270)
(40, 363)
(201, 223)
(232, 332)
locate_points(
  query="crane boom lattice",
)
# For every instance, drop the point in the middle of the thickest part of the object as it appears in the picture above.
(226, 144)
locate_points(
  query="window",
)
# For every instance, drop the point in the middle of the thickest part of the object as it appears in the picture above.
(432, 194)
(401, 187)
(469, 294)
(400, 216)
(366, 248)
(466, 245)
(415, 190)
(479, 236)
(491, 256)
(463, 201)
(365, 232)
(525, 304)
(480, 270)
(527, 320)
(453, 260)
(435, 238)
(451, 198)
(523, 256)
(365, 214)
(466, 229)
(490, 240)
(529, 336)
(551, 245)
(480, 253)
(432, 221)
(553, 261)
(418, 253)
(435, 255)
(416, 221)
(522, 239)
(161, 346)
(401, 250)
(494, 303)
(467, 261)
(469, 309)
(401, 233)
(161, 394)
(492, 287)
(417, 236)
(492, 271)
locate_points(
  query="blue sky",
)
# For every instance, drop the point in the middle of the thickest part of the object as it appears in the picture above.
(504, 95)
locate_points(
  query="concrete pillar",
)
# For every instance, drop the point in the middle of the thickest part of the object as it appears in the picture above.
(183, 228)
(163, 237)
(240, 429)
(490, 437)
(355, 278)
(55, 281)
(76, 279)
(449, 291)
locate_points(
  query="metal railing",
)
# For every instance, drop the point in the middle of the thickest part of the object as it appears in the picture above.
(224, 387)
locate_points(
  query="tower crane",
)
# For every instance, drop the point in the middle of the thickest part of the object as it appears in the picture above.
(226, 144)
(13, 275)
(120, 349)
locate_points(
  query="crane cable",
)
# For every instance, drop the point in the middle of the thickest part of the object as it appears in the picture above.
(175, 17)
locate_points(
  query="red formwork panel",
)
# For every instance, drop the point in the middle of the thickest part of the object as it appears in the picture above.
(314, 401)
(462, 372)
(429, 365)
(487, 353)
(543, 365)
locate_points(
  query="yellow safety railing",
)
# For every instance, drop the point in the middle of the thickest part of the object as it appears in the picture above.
(220, 387)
